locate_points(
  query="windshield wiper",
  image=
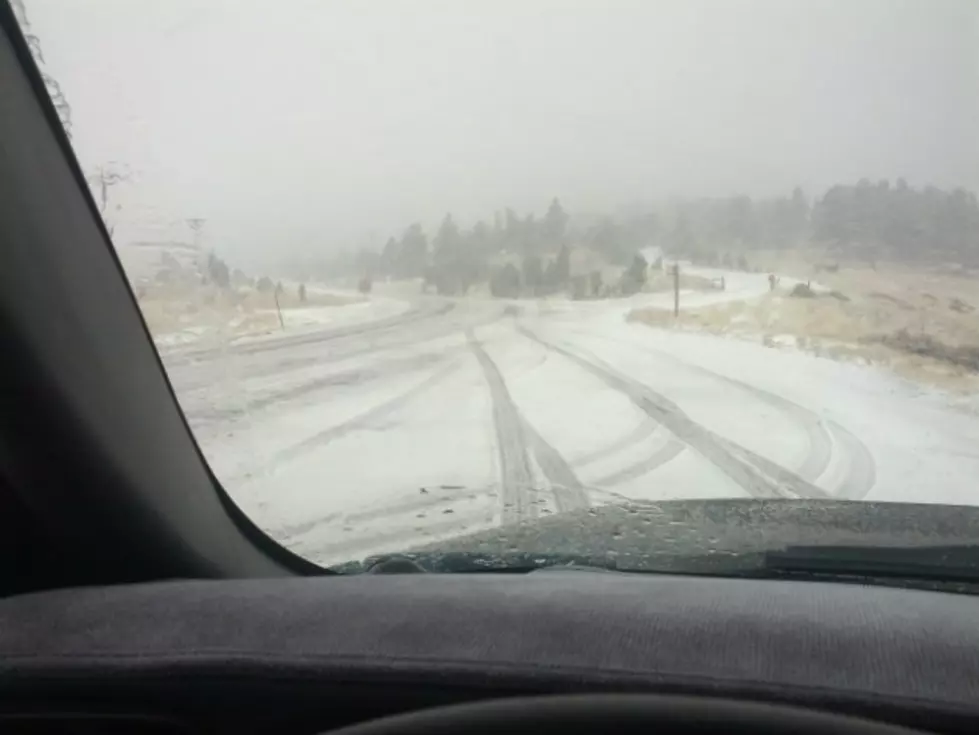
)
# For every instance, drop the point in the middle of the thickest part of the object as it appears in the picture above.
(953, 568)
(938, 563)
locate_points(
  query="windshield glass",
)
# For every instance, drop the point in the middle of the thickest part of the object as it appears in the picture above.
(570, 278)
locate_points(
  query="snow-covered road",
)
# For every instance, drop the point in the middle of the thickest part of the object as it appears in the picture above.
(456, 416)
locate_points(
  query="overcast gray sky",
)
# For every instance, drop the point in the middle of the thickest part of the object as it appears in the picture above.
(299, 124)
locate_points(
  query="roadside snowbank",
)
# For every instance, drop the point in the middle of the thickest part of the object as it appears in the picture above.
(264, 323)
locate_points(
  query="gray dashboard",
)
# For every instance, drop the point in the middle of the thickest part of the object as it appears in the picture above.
(781, 640)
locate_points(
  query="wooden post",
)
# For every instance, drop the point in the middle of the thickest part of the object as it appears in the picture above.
(676, 290)
(278, 309)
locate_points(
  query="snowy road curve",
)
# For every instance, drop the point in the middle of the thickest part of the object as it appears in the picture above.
(457, 416)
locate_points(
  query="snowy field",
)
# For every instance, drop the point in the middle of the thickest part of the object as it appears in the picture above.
(438, 418)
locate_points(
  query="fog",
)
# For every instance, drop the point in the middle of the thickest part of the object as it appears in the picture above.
(305, 125)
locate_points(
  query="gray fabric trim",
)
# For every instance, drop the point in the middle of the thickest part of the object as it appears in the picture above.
(864, 642)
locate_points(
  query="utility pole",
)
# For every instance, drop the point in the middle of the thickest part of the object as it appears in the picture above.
(278, 309)
(104, 178)
(196, 224)
(676, 290)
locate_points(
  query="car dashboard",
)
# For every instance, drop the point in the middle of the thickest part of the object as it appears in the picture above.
(315, 654)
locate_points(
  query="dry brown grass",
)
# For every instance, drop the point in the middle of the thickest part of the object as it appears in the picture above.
(659, 281)
(172, 308)
(923, 324)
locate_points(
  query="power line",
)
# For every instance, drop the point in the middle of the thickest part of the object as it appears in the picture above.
(57, 95)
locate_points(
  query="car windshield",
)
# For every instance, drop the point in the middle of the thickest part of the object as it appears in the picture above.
(560, 280)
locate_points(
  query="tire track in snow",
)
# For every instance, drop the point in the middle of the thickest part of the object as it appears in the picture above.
(823, 437)
(569, 494)
(433, 331)
(755, 474)
(252, 402)
(657, 459)
(418, 313)
(516, 439)
(642, 431)
(516, 472)
(820, 441)
(823, 434)
(361, 420)
(190, 376)
(665, 449)
(862, 474)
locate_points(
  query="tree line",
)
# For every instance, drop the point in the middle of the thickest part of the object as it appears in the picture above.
(865, 220)
(880, 221)
(465, 251)
(456, 258)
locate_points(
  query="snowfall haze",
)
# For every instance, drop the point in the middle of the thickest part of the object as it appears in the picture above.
(302, 126)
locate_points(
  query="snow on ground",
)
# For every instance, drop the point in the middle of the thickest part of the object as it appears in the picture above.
(414, 461)
(307, 320)
(550, 391)
(755, 424)
(611, 445)
(458, 418)
(314, 400)
(241, 328)
(923, 449)
(354, 313)
(185, 336)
